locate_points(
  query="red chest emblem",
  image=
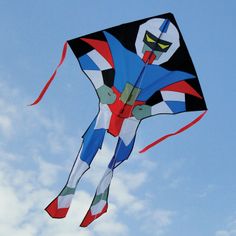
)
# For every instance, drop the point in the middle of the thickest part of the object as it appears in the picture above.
(120, 111)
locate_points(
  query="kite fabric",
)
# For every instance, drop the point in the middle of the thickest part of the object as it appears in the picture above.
(138, 69)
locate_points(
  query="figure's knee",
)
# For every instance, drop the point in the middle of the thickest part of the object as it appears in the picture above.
(122, 153)
(123, 150)
(91, 144)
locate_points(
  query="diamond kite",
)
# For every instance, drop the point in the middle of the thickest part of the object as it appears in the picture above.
(138, 69)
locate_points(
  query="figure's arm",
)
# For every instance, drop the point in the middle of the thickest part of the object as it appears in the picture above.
(172, 102)
(106, 95)
(142, 111)
(168, 100)
(97, 64)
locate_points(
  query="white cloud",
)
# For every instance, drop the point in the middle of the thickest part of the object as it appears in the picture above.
(230, 229)
(5, 125)
(23, 198)
(48, 172)
(163, 217)
(222, 233)
(210, 188)
(157, 221)
(7, 110)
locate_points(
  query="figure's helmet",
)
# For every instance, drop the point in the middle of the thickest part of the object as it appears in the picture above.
(158, 36)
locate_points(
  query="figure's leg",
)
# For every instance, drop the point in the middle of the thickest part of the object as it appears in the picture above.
(100, 201)
(92, 141)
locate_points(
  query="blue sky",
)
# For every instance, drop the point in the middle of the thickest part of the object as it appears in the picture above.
(185, 186)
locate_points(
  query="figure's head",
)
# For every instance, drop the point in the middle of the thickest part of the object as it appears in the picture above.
(159, 36)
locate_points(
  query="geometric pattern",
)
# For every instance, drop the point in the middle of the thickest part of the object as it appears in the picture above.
(96, 67)
(171, 103)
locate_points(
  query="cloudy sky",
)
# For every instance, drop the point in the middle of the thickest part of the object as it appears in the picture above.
(185, 186)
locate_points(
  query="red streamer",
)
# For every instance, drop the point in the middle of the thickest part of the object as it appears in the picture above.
(52, 77)
(192, 123)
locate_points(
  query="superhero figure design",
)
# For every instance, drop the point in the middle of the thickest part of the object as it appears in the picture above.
(131, 84)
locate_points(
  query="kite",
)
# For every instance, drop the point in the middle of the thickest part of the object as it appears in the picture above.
(138, 69)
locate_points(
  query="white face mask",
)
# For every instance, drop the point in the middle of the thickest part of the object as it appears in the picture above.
(153, 30)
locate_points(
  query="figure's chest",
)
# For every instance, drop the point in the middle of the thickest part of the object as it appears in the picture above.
(125, 101)
(136, 77)
(129, 94)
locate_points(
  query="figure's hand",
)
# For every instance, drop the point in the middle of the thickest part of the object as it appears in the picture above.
(142, 111)
(106, 95)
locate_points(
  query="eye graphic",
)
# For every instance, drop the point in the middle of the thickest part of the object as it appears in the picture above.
(163, 46)
(149, 39)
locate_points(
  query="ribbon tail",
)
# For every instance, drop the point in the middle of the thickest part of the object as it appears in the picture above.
(192, 123)
(52, 77)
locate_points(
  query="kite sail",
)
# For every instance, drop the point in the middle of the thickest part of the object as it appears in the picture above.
(138, 69)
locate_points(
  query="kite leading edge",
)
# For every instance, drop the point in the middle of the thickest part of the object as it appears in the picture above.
(139, 69)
